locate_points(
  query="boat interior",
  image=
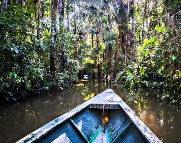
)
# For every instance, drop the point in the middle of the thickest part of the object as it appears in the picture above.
(98, 123)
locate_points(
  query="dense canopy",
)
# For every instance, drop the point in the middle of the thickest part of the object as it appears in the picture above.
(52, 43)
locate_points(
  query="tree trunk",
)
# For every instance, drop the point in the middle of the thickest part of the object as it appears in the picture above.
(144, 16)
(121, 21)
(109, 51)
(133, 32)
(2, 31)
(123, 43)
(39, 27)
(92, 37)
(116, 55)
(4, 5)
(98, 61)
(127, 9)
(22, 2)
(68, 16)
(61, 53)
(53, 37)
(61, 11)
(76, 42)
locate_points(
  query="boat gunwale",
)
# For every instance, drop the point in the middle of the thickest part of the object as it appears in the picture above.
(142, 128)
(113, 100)
(45, 129)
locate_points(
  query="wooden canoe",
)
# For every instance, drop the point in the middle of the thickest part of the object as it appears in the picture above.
(106, 118)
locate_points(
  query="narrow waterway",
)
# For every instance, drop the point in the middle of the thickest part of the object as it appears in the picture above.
(20, 119)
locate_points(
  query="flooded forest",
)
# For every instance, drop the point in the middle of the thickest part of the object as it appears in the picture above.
(57, 54)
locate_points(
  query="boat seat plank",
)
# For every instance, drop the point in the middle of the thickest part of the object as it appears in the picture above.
(117, 125)
(78, 131)
(89, 124)
(131, 136)
(64, 133)
(104, 106)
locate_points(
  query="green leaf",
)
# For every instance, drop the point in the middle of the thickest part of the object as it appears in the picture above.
(174, 101)
(180, 74)
(142, 70)
(92, 95)
(167, 95)
(147, 52)
(141, 49)
(157, 27)
(161, 69)
(28, 86)
(129, 78)
(161, 29)
(10, 74)
(146, 42)
(104, 20)
(44, 81)
(153, 40)
(174, 57)
(139, 105)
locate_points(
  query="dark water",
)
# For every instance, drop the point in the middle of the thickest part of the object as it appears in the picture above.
(20, 119)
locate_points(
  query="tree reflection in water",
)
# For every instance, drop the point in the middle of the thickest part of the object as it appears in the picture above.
(20, 119)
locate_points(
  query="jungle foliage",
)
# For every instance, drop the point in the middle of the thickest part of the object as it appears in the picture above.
(51, 43)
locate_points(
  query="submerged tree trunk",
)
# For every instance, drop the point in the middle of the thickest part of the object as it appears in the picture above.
(53, 37)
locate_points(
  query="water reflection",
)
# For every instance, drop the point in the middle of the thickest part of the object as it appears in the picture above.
(19, 119)
(161, 118)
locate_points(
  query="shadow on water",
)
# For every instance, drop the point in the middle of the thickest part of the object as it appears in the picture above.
(20, 119)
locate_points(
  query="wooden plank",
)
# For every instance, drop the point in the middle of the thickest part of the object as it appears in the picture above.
(131, 136)
(64, 133)
(88, 123)
(124, 130)
(104, 106)
(118, 125)
(78, 131)
(101, 138)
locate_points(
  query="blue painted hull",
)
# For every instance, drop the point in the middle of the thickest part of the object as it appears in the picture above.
(105, 118)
